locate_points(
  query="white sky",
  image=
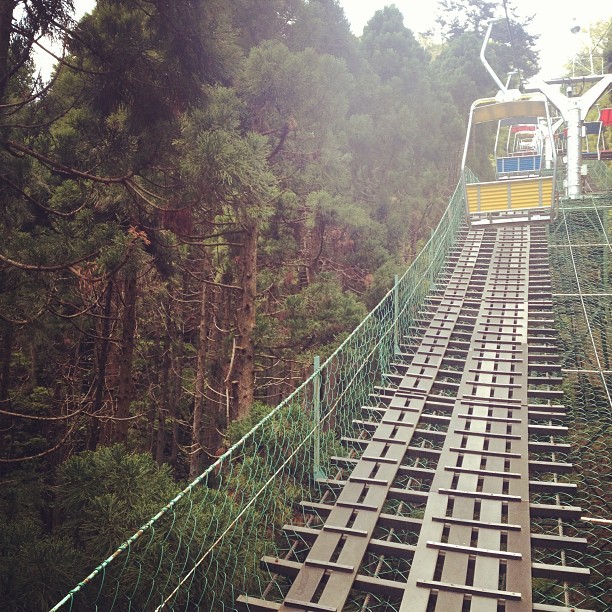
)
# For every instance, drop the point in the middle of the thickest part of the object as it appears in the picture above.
(553, 19)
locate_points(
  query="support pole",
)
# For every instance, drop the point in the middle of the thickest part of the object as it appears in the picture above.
(316, 400)
(396, 348)
(574, 152)
(574, 111)
(483, 59)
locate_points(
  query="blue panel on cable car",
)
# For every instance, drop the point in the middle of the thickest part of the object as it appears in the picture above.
(525, 163)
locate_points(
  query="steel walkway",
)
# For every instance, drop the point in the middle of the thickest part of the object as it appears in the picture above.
(435, 506)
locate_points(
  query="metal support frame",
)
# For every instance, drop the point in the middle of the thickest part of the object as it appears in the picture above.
(484, 61)
(573, 110)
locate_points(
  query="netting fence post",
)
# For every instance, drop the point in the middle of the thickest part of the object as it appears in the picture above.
(316, 400)
(396, 308)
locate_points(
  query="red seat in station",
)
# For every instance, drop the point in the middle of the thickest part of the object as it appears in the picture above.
(605, 116)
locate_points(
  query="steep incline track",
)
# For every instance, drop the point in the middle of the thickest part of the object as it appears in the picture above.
(434, 507)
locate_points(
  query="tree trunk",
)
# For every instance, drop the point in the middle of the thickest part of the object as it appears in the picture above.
(6, 25)
(164, 402)
(242, 376)
(33, 367)
(6, 352)
(175, 397)
(204, 433)
(125, 387)
(102, 362)
(5, 369)
(71, 384)
(317, 240)
(177, 360)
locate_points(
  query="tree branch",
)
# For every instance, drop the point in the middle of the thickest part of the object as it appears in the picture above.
(16, 147)
(36, 203)
(44, 453)
(39, 268)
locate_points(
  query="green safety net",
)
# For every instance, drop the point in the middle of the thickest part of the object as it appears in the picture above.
(599, 176)
(203, 549)
(580, 247)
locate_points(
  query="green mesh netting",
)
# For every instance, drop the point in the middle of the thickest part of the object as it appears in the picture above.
(599, 177)
(581, 268)
(203, 549)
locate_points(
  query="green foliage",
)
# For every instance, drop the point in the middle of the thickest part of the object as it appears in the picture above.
(101, 498)
(387, 44)
(95, 487)
(322, 313)
(457, 17)
(511, 45)
(322, 25)
(236, 430)
(225, 165)
(286, 438)
(383, 281)
(306, 86)
(183, 125)
(464, 78)
(152, 58)
(35, 567)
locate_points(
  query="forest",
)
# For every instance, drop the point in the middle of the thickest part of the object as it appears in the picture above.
(203, 197)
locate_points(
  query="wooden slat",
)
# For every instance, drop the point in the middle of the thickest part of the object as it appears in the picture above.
(246, 603)
(558, 542)
(560, 572)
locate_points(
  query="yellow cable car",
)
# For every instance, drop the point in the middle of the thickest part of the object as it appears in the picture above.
(524, 185)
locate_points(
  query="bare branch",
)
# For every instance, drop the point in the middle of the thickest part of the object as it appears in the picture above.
(40, 418)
